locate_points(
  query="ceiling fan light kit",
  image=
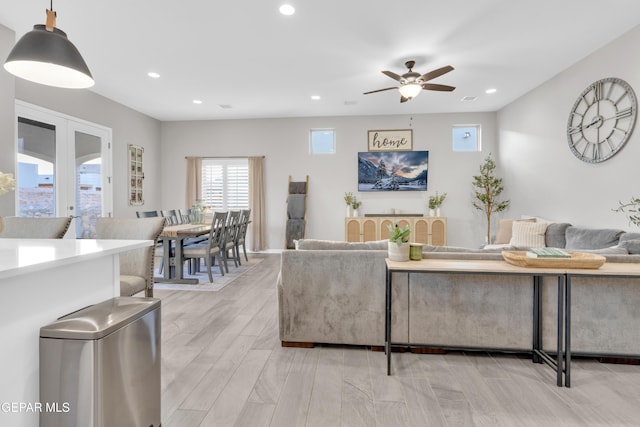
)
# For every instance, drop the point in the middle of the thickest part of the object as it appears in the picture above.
(45, 55)
(411, 83)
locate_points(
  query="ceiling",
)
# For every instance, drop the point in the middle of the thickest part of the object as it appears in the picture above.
(245, 56)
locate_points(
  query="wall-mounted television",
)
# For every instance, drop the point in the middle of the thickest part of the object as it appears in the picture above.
(393, 170)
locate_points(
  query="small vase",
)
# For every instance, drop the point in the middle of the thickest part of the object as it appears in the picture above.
(432, 212)
(437, 212)
(355, 213)
(398, 253)
(349, 212)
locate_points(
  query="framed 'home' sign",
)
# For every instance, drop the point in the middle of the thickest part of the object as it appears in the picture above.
(391, 140)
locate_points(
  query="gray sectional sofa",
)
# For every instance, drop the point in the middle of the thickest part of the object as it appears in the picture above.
(334, 292)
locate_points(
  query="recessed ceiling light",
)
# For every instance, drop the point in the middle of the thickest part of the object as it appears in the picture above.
(153, 75)
(287, 9)
(197, 101)
(315, 97)
(468, 98)
(490, 91)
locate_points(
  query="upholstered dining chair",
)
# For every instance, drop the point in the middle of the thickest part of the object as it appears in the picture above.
(211, 249)
(136, 266)
(35, 228)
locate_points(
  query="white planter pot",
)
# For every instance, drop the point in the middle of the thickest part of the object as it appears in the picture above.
(348, 213)
(432, 212)
(398, 253)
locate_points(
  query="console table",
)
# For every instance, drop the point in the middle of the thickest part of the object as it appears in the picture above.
(496, 268)
(431, 230)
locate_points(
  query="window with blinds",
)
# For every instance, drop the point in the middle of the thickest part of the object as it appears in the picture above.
(225, 183)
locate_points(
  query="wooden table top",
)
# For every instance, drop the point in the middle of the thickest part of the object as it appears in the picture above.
(185, 230)
(503, 267)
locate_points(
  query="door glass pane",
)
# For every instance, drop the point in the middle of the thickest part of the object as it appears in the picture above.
(88, 205)
(36, 168)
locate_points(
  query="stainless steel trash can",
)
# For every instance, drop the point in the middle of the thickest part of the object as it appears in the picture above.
(100, 366)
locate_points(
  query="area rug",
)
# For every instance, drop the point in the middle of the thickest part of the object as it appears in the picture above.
(219, 281)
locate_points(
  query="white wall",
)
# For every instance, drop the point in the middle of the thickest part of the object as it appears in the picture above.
(543, 177)
(285, 145)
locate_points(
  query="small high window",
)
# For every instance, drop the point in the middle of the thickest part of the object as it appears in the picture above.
(466, 138)
(322, 141)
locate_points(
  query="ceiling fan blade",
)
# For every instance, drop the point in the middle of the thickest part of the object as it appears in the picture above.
(380, 90)
(441, 88)
(393, 75)
(436, 73)
(403, 99)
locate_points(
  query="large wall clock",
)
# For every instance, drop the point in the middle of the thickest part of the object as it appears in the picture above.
(602, 120)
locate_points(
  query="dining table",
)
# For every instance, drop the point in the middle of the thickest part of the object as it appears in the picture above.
(173, 236)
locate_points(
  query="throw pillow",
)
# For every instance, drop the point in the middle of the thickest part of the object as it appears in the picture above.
(505, 227)
(555, 235)
(632, 246)
(528, 234)
(591, 238)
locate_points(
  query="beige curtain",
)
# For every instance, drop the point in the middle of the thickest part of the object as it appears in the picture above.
(194, 185)
(256, 203)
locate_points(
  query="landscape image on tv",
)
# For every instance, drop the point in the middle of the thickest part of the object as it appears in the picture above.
(393, 170)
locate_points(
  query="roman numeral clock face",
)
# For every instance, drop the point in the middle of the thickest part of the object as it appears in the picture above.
(602, 120)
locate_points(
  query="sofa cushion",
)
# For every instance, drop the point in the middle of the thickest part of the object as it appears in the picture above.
(316, 244)
(505, 227)
(632, 246)
(555, 236)
(629, 236)
(528, 234)
(591, 238)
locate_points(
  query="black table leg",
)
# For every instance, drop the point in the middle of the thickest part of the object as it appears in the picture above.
(560, 329)
(567, 326)
(387, 321)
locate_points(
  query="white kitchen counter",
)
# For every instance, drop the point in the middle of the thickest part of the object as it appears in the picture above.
(40, 281)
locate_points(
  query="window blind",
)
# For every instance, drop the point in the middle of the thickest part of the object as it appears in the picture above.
(225, 183)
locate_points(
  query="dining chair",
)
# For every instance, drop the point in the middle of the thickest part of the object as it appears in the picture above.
(211, 249)
(170, 215)
(16, 227)
(159, 250)
(146, 214)
(242, 233)
(228, 244)
(184, 215)
(136, 266)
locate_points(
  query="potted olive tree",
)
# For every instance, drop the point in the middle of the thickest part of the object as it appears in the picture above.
(398, 242)
(488, 188)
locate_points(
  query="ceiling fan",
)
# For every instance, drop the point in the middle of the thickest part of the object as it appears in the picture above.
(411, 83)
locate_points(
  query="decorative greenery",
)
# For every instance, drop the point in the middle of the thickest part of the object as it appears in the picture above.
(356, 204)
(348, 198)
(631, 209)
(398, 235)
(436, 201)
(7, 183)
(487, 192)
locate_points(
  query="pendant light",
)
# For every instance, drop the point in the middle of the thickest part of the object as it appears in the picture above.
(46, 56)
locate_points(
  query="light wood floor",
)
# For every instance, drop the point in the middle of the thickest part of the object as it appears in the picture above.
(222, 365)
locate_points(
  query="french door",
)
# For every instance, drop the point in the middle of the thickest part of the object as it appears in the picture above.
(63, 168)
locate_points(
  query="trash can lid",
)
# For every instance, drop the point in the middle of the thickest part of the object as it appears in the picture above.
(99, 320)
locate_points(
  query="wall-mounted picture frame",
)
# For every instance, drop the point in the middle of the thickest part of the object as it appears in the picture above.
(136, 175)
(393, 171)
(390, 140)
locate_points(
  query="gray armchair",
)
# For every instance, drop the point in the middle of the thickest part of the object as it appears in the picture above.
(136, 266)
(15, 227)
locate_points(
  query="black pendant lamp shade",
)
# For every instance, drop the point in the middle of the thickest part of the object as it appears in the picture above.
(45, 55)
